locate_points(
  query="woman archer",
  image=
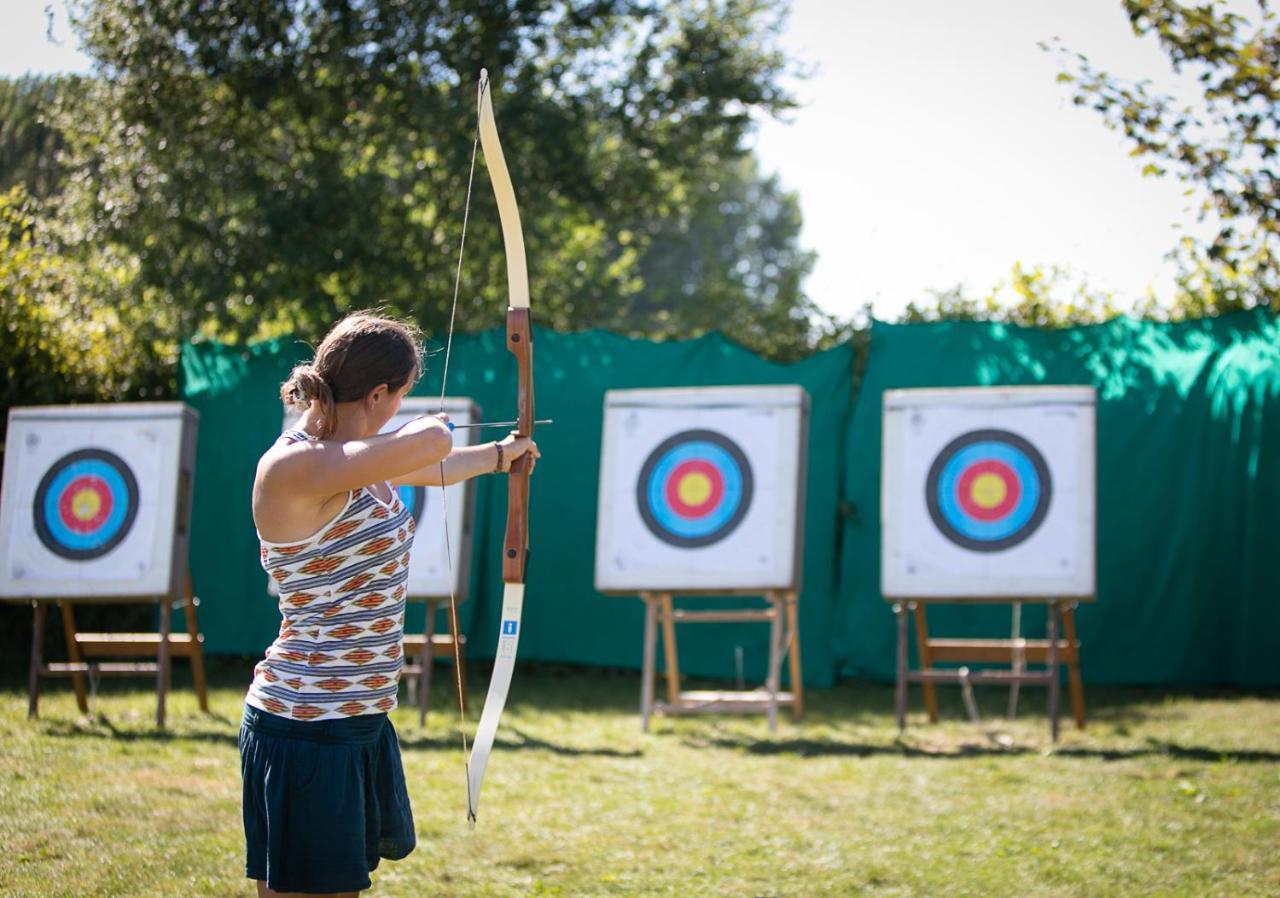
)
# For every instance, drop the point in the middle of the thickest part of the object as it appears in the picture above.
(324, 788)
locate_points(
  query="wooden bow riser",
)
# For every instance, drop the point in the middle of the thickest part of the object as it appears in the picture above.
(515, 545)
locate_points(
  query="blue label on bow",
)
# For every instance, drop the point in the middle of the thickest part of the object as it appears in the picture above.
(509, 628)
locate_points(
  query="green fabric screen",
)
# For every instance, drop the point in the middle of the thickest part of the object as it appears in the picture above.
(236, 392)
(1188, 492)
(1188, 489)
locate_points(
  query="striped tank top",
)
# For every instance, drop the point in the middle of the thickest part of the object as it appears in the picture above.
(342, 597)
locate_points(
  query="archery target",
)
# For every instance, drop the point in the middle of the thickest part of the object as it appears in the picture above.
(96, 501)
(695, 488)
(988, 492)
(86, 504)
(436, 565)
(700, 489)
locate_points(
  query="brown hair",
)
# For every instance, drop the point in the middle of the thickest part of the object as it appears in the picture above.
(362, 351)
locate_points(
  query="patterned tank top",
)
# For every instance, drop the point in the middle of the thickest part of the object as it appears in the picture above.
(342, 595)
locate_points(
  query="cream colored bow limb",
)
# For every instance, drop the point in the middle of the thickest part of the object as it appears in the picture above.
(515, 547)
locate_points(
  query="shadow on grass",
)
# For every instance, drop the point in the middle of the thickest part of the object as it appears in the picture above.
(906, 749)
(522, 742)
(541, 689)
(103, 727)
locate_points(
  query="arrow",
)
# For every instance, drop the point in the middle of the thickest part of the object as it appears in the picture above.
(453, 426)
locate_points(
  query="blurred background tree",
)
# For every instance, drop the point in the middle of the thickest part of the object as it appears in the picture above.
(264, 168)
(1031, 296)
(1223, 143)
(236, 170)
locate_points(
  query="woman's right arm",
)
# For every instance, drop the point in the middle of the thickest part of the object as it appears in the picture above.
(328, 467)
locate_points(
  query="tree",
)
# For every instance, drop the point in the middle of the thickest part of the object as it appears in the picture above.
(271, 166)
(1224, 145)
(1032, 296)
(730, 263)
(76, 327)
(29, 147)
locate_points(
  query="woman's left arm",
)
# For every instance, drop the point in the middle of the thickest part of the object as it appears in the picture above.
(465, 462)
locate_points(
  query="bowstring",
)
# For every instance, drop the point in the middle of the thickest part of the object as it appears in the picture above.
(444, 492)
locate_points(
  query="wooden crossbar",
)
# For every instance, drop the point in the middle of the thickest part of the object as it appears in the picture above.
(694, 701)
(82, 648)
(136, 645)
(1007, 677)
(440, 645)
(682, 616)
(1053, 652)
(105, 668)
(784, 643)
(998, 651)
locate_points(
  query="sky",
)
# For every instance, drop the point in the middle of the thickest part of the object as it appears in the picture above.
(933, 146)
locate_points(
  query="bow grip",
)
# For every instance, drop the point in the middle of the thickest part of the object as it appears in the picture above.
(515, 544)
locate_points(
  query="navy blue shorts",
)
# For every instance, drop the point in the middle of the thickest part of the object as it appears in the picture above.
(324, 800)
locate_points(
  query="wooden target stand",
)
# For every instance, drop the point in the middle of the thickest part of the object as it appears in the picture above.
(96, 446)
(784, 644)
(85, 649)
(420, 650)
(1052, 652)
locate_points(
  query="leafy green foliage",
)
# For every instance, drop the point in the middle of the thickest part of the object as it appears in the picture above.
(1032, 296)
(28, 145)
(1225, 145)
(272, 166)
(72, 328)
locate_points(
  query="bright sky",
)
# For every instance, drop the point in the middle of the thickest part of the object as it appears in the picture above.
(933, 147)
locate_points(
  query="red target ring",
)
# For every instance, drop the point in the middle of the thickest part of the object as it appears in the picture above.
(699, 478)
(85, 504)
(980, 475)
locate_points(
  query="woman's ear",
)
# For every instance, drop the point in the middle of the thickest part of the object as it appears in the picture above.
(377, 395)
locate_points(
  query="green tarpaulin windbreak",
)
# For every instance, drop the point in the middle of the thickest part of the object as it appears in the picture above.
(1188, 492)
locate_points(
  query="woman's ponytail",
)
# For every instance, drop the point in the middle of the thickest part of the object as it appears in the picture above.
(306, 385)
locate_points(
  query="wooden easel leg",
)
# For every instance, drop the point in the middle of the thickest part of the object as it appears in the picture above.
(900, 684)
(793, 637)
(162, 660)
(197, 645)
(669, 649)
(926, 661)
(647, 661)
(775, 658)
(426, 663)
(1073, 665)
(1053, 670)
(1018, 650)
(37, 660)
(73, 655)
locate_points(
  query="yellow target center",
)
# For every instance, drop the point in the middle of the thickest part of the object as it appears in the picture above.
(989, 490)
(86, 505)
(694, 489)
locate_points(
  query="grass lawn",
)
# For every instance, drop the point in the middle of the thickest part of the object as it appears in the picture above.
(1164, 794)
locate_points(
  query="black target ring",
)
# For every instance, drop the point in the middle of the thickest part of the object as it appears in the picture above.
(63, 526)
(704, 453)
(1029, 491)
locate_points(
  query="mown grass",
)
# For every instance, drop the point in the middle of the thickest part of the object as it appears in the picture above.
(1164, 794)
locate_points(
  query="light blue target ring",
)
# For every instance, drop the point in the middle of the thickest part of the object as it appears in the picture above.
(1016, 519)
(414, 499)
(696, 450)
(120, 500)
